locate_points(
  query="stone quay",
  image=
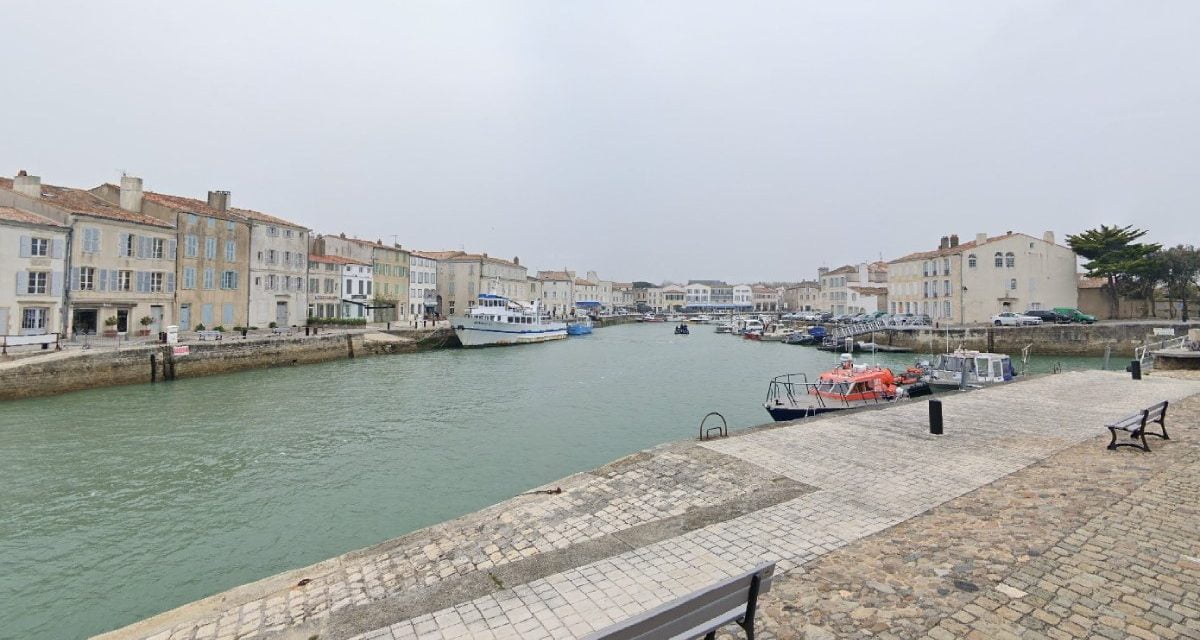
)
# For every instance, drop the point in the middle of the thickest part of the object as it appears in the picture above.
(1016, 523)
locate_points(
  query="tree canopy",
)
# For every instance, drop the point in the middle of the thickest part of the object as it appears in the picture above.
(1112, 253)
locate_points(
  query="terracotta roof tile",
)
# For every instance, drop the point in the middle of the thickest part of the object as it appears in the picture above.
(84, 203)
(553, 275)
(259, 216)
(870, 291)
(8, 214)
(334, 260)
(192, 205)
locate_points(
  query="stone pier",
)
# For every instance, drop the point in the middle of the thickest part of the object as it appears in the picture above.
(878, 528)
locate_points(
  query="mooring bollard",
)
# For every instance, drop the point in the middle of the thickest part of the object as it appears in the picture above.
(935, 417)
(1135, 367)
(306, 328)
(153, 368)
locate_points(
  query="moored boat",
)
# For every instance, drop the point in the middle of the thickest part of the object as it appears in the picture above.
(725, 327)
(848, 386)
(496, 320)
(580, 326)
(982, 369)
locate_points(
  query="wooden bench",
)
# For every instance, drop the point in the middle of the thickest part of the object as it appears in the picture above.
(1135, 425)
(700, 613)
(209, 335)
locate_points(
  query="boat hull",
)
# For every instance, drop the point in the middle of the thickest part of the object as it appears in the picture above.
(485, 333)
(787, 414)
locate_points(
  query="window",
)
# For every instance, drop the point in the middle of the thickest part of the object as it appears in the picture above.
(946, 284)
(271, 282)
(34, 318)
(1012, 284)
(999, 260)
(227, 313)
(368, 287)
(945, 266)
(230, 250)
(156, 281)
(272, 231)
(210, 247)
(189, 277)
(208, 277)
(124, 281)
(1010, 260)
(91, 240)
(229, 225)
(191, 246)
(349, 286)
(971, 261)
(946, 309)
(87, 278)
(329, 285)
(271, 256)
(287, 257)
(37, 282)
(313, 285)
(287, 233)
(229, 280)
(192, 219)
(212, 223)
(158, 248)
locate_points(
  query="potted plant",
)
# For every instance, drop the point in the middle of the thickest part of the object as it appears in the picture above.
(200, 327)
(110, 327)
(145, 321)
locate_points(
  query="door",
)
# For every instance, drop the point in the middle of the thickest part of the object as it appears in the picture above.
(281, 314)
(185, 317)
(156, 317)
(122, 320)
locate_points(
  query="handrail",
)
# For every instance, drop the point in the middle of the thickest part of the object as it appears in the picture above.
(1140, 353)
(723, 430)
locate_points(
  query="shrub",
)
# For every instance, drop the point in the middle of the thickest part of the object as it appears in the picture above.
(272, 326)
(146, 321)
(219, 328)
(200, 327)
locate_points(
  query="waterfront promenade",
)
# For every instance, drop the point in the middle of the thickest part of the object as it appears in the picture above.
(821, 499)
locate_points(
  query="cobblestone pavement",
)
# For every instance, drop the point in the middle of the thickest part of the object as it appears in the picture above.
(663, 523)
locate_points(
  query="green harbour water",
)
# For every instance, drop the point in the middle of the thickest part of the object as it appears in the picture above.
(120, 503)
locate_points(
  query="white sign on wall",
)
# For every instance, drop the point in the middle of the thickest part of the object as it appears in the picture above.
(1158, 331)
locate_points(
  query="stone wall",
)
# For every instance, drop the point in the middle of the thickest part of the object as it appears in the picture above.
(1058, 340)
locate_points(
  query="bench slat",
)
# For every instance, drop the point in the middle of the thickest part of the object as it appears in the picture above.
(692, 615)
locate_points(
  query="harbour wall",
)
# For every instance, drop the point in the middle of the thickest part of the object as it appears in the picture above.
(64, 372)
(1058, 340)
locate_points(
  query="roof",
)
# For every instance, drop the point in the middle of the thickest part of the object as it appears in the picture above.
(81, 202)
(758, 288)
(709, 283)
(378, 244)
(259, 216)
(334, 260)
(869, 291)
(878, 265)
(803, 284)
(8, 214)
(622, 285)
(553, 275)
(846, 268)
(464, 256)
(586, 283)
(192, 205)
(949, 251)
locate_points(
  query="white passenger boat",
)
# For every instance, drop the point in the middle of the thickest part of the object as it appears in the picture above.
(496, 320)
(983, 369)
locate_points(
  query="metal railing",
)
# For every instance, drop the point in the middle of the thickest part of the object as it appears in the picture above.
(1142, 353)
(783, 387)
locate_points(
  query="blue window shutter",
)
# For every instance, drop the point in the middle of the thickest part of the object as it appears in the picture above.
(141, 281)
(22, 282)
(114, 279)
(56, 283)
(26, 241)
(172, 245)
(102, 280)
(142, 249)
(56, 249)
(124, 244)
(74, 278)
(170, 282)
(206, 315)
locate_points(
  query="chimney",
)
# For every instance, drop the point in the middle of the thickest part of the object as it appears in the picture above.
(980, 238)
(27, 185)
(342, 234)
(953, 240)
(1048, 237)
(218, 200)
(131, 193)
(945, 243)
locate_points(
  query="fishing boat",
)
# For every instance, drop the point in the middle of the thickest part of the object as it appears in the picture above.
(650, 317)
(776, 334)
(983, 369)
(580, 326)
(847, 386)
(496, 320)
(724, 327)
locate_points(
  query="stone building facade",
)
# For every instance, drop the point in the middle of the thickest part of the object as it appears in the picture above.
(33, 256)
(278, 268)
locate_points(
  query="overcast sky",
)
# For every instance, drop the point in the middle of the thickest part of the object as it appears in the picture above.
(644, 140)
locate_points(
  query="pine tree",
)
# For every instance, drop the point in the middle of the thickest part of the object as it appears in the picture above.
(1112, 254)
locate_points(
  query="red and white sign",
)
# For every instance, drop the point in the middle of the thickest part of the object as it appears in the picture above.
(181, 350)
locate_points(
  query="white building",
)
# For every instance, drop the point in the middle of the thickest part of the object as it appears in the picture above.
(356, 289)
(556, 290)
(743, 295)
(422, 294)
(278, 266)
(698, 294)
(33, 255)
(972, 281)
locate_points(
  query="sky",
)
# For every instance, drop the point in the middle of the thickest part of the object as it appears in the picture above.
(642, 140)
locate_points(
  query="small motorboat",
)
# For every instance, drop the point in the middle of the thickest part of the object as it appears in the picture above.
(725, 327)
(983, 369)
(682, 330)
(847, 386)
(580, 326)
(650, 317)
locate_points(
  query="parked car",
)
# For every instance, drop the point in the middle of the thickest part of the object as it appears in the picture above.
(920, 319)
(1048, 316)
(1011, 319)
(900, 319)
(1075, 315)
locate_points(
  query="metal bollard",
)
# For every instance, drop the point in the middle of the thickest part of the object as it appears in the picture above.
(306, 328)
(935, 417)
(1135, 367)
